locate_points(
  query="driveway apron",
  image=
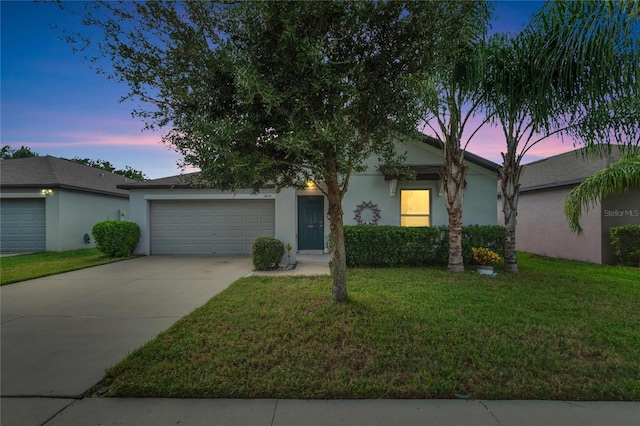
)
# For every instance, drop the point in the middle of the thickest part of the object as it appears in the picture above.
(60, 333)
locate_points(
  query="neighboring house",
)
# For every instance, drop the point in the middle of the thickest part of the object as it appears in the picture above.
(542, 227)
(175, 218)
(51, 204)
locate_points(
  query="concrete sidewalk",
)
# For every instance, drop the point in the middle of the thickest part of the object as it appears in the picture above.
(273, 412)
(60, 333)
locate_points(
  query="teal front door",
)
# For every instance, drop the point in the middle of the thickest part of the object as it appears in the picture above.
(310, 222)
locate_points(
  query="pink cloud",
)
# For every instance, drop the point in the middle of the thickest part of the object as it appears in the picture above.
(88, 138)
(490, 143)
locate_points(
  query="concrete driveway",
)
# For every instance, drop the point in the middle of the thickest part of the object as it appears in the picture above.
(60, 333)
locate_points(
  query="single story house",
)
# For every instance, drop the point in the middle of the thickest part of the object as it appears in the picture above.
(542, 227)
(177, 219)
(51, 204)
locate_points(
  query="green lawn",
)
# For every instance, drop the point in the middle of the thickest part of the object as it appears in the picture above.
(557, 330)
(35, 265)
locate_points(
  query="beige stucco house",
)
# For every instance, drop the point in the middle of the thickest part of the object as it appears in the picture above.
(542, 227)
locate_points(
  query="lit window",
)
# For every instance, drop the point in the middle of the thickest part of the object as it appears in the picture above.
(415, 207)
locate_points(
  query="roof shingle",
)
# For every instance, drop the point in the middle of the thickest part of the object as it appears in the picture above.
(52, 172)
(569, 168)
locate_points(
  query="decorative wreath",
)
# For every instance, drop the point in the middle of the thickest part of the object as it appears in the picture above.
(367, 213)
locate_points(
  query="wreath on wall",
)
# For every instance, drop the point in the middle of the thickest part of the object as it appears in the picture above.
(367, 213)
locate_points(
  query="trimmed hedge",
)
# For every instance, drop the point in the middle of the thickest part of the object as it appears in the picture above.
(626, 244)
(116, 238)
(384, 246)
(266, 253)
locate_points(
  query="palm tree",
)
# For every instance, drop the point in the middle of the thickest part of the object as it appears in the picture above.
(618, 178)
(450, 98)
(573, 71)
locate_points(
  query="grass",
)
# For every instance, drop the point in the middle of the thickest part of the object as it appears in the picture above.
(557, 330)
(35, 265)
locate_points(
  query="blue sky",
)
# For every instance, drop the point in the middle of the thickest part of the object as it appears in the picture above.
(53, 103)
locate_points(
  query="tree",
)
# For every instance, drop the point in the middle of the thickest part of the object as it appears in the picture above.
(23, 152)
(572, 72)
(128, 171)
(260, 94)
(507, 87)
(622, 176)
(450, 98)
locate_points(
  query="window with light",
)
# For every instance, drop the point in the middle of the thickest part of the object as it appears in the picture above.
(415, 207)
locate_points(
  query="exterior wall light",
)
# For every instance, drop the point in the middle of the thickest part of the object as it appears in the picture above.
(311, 185)
(46, 192)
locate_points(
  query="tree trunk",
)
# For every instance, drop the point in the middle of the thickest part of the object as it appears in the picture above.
(338, 253)
(510, 185)
(453, 175)
(456, 261)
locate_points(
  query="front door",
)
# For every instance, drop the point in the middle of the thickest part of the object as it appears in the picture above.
(310, 222)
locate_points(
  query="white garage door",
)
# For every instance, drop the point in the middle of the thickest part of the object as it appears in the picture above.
(22, 225)
(209, 226)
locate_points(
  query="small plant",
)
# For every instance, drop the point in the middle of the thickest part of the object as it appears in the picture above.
(116, 238)
(266, 253)
(485, 257)
(289, 247)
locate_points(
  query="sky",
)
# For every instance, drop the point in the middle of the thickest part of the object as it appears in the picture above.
(53, 102)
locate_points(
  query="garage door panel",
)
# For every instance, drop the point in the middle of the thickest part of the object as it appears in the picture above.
(236, 220)
(253, 233)
(209, 226)
(236, 233)
(237, 247)
(268, 220)
(252, 219)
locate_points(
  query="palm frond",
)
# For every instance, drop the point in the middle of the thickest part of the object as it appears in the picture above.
(619, 178)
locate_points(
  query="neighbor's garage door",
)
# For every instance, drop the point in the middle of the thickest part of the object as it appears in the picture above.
(209, 226)
(22, 225)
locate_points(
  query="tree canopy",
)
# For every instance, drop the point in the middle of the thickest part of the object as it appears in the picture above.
(128, 171)
(8, 152)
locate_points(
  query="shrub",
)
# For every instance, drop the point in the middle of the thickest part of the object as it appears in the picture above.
(488, 236)
(384, 246)
(266, 253)
(626, 244)
(484, 256)
(116, 238)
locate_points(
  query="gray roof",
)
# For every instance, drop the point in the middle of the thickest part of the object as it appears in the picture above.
(52, 172)
(567, 169)
(171, 182)
(423, 171)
